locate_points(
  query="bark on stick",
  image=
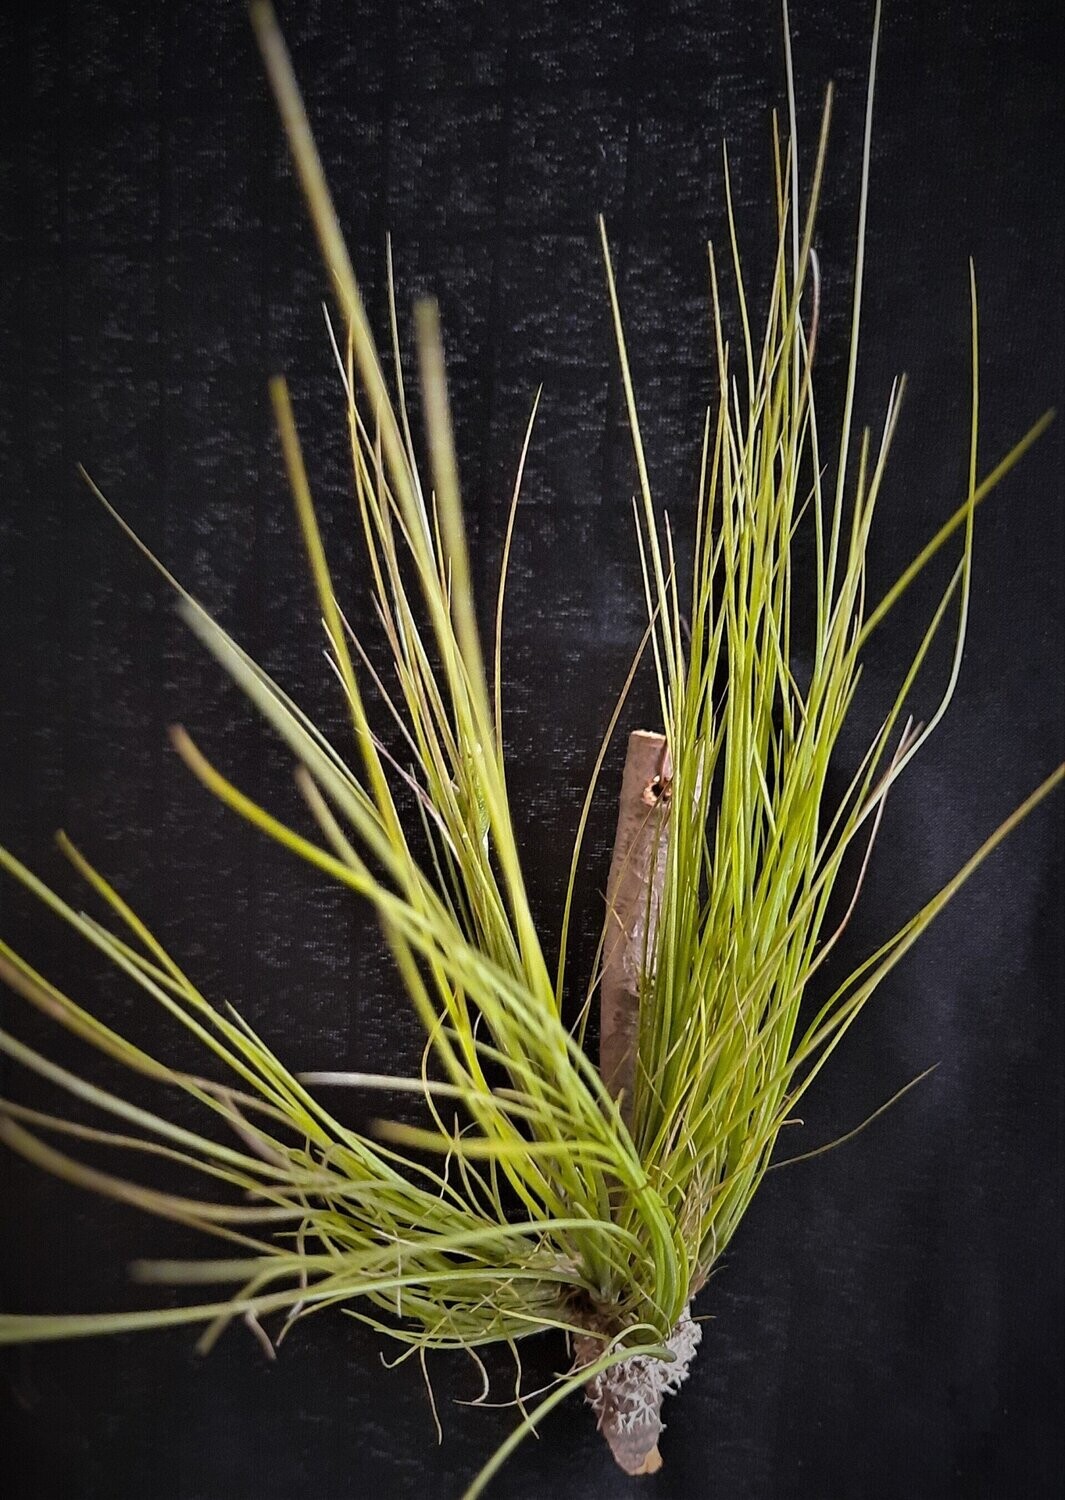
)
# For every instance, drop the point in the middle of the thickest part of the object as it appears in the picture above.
(627, 1398)
(633, 892)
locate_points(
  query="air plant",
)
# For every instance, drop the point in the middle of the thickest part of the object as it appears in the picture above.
(542, 1192)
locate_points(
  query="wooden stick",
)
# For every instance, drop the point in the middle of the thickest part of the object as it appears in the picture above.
(627, 1399)
(633, 894)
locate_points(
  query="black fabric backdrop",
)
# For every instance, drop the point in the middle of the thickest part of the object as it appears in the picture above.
(888, 1321)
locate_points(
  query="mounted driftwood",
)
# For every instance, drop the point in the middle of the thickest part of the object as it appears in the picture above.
(633, 894)
(627, 1399)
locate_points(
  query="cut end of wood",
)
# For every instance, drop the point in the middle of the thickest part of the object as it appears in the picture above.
(652, 1462)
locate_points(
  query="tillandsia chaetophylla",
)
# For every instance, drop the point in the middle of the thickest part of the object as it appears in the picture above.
(592, 1201)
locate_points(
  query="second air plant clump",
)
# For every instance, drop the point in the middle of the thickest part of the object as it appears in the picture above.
(595, 1202)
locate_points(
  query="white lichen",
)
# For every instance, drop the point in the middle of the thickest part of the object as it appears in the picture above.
(627, 1399)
